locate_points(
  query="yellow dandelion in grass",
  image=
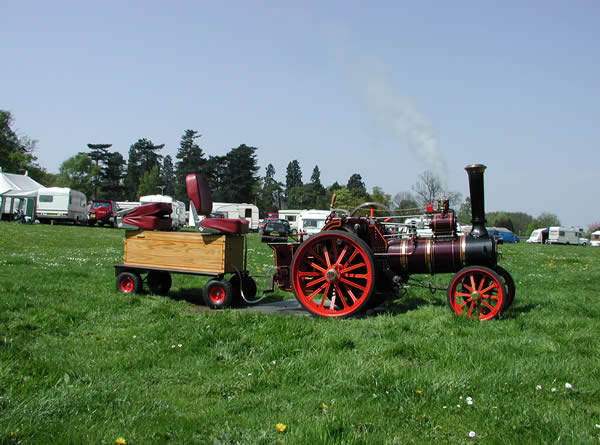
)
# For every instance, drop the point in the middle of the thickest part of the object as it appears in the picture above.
(419, 392)
(280, 427)
(120, 441)
(323, 406)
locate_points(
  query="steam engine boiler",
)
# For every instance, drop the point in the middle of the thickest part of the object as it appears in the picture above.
(356, 261)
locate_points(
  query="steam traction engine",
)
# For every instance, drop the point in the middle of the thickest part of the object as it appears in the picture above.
(355, 262)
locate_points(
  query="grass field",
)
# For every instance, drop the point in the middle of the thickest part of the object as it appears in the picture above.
(81, 363)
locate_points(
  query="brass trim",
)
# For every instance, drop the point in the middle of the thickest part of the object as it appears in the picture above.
(428, 255)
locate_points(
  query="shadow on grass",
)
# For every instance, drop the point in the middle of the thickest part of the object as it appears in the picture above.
(194, 296)
(514, 311)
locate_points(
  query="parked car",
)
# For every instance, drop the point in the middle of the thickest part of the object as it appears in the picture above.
(103, 212)
(262, 222)
(274, 231)
(496, 235)
(506, 235)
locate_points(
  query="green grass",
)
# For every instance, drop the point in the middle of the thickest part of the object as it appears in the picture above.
(82, 363)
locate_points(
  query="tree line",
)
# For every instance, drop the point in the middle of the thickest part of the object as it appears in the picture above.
(102, 173)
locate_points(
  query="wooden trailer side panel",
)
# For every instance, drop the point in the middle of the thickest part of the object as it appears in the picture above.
(184, 251)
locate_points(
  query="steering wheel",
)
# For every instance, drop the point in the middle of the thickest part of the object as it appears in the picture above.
(371, 206)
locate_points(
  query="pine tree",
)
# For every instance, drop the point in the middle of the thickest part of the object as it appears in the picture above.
(240, 182)
(215, 170)
(190, 160)
(99, 155)
(167, 176)
(271, 192)
(143, 157)
(112, 175)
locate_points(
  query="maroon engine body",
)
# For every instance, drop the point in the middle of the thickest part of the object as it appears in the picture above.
(355, 258)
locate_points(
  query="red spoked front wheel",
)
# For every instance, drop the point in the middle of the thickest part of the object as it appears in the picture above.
(478, 292)
(333, 274)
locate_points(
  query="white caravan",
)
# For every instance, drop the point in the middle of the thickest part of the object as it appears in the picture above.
(292, 217)
(595, 239)
(61, 204)
(538, 236)
(178, 217)
(311, 222)
(230, 210)
(565, 235)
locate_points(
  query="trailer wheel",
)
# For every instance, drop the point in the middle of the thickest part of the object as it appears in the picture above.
(159, 282)
(218, 294)
(333, 274)
(129, 283)
(509, 284)
(478, 292)
(248, 286)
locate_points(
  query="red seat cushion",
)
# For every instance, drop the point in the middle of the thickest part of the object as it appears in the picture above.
(226, 225)
(153, 216)
(199, 193)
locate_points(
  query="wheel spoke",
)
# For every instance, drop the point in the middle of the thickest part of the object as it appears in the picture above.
(353, 284)
(318, 291)
(490, 297)
(353, 267)
(324, 297)
(486, 304)
(319, 268)
(352, 256)
(491, 286)
(315, 255)
(341, 256)
(358, 276)
(326, 255)
(352, 296)
(469, 289)
(470, 309)
(460, 305)
(309, 274)
(349, 290)
(315, 282)
(341, 296)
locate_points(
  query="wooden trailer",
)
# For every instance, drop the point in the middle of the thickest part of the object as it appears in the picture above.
(150, 256)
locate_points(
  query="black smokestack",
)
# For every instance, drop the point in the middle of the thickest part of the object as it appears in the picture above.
(475, 172)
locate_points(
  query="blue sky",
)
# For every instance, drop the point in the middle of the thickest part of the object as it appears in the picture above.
(387, 89)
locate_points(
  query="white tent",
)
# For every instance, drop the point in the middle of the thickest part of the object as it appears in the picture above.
(17, 192)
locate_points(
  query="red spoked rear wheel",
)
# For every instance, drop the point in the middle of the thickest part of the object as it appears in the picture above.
(333, 274)
(477, 292)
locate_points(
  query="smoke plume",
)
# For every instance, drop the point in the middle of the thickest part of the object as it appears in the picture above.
(397, 117)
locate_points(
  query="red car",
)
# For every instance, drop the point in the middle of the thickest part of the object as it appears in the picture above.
(103, 212)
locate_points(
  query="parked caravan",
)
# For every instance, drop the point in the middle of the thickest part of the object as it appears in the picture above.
(230, 210)
(292, 217)
(538, 236)
(178, 216)
(311, 222)
(61, 204)
(595, 239)
(565, 235)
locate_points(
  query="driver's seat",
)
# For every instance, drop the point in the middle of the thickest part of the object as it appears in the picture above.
(199, 194)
